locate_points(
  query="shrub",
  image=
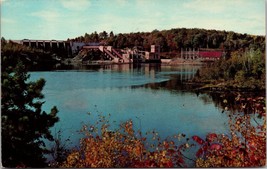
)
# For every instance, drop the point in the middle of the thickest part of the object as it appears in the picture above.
(123, 148)
(244, 146)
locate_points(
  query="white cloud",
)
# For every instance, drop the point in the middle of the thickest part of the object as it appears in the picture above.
(76, 5)
(1, 1)
(121, 2)
(233, 24)
(212, 6)
(48, 15)
(7, 21)
(205, 5)
(241, 16)
(49, 23)
(122, 24)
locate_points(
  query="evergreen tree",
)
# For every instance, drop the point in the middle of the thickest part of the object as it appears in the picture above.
(24, 124)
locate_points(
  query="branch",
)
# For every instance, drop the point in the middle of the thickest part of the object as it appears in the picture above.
(187, 157)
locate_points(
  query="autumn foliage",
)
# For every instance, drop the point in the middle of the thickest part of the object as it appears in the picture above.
(122, 148)
(243, 146)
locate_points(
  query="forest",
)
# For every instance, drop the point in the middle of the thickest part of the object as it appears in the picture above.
(173, 40)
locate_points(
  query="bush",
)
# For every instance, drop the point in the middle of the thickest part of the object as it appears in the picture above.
(123, 148)
(245, 146)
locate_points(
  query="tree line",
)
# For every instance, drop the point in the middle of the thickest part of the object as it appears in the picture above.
(174, 40)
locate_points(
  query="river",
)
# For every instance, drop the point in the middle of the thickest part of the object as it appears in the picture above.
(151, 95)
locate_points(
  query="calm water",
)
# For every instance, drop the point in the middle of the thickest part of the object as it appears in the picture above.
(150, 95)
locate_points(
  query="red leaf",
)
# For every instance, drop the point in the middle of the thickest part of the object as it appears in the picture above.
(198, 140)
(234, 152)
(211, 137)
(199, 152)
(166, 144)
(168, 164)
(149, 163)
(180, 160)
(253, 158)
(205, 147)
(215, 146)
(171, 151)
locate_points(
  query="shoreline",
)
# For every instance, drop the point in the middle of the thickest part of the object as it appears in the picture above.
(179, 61)
(108, 62)
(221, 87)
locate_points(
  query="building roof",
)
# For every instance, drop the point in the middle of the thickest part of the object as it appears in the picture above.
(210, 54)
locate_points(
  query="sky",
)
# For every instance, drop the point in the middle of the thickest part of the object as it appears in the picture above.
(63, 19)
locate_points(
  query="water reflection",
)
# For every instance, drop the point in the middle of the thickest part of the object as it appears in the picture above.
(177, 83)
(228, 98)
(159, 77)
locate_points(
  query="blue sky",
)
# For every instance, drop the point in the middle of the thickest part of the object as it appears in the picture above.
(62, 19)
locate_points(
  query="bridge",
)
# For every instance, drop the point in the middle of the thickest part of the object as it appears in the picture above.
(54, 45)
(46, 44)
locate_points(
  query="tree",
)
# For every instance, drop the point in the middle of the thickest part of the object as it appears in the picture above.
(198, 40)
(162, 42)
(111, 34)
(121, 41)
(95, 37)
(24, 124)
(103, 35)
(86, 37)
(179, 41)
(3, 41)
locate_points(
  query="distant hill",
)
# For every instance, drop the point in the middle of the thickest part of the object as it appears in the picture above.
(174, 39)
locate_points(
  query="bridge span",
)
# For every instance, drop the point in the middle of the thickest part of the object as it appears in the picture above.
(54, 45)
(46, 44)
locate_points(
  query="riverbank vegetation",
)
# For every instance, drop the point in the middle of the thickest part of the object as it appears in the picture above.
(242, 71)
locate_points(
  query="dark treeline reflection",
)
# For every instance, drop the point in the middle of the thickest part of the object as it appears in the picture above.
(221, 99)
(232, 100)
(174, 79)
